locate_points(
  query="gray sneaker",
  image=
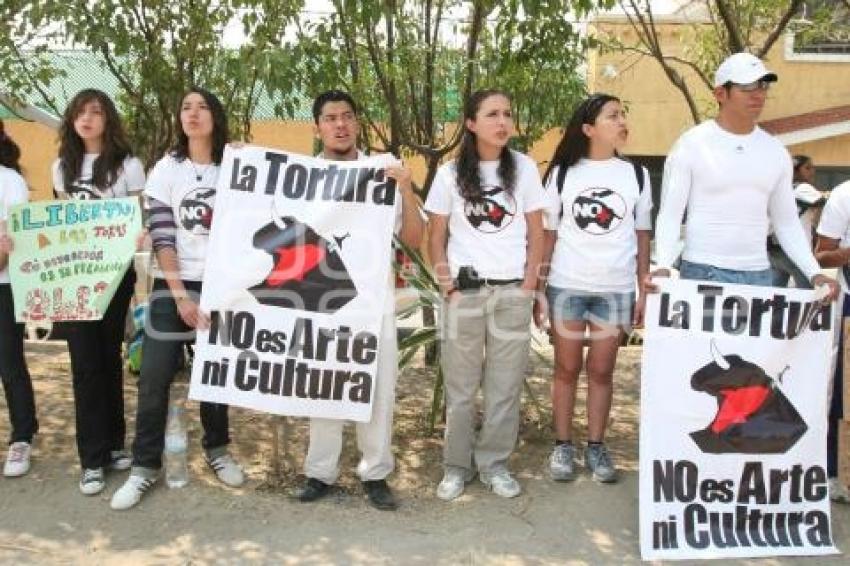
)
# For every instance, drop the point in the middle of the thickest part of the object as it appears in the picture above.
(562, 462)
(599, 462)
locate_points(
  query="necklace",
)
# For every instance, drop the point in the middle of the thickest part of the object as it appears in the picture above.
(199, 176)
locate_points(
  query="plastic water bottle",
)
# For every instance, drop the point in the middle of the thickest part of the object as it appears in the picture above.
(176, 444)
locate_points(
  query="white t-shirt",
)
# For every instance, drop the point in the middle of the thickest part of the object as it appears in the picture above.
(130, 181)
(13, 190)
(176, 183)
(489, 235)
(602, 206)
(734, 186)
(808, 195)
(835, 219)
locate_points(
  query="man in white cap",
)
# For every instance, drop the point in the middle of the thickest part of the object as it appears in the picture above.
(735, 181)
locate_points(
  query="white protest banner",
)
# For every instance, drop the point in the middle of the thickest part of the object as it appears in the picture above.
(733, 422)
(296, 281)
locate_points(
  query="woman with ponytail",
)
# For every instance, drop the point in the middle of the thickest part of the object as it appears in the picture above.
(17, 385)
(95, 162)
(600, 219)
(486, 241)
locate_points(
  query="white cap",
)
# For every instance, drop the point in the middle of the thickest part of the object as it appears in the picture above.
(742, 68)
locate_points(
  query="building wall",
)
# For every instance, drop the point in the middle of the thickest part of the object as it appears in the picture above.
(658, 113)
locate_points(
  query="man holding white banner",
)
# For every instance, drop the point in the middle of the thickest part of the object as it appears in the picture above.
(335, 115)
(735, 181)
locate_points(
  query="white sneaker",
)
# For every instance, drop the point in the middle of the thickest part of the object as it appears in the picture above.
(92, 481)
(131, 492)
(452, 484)
(227, 470)
(837, 492)
(17, 460)
(501, 483)
(562, 463)
(120, 460)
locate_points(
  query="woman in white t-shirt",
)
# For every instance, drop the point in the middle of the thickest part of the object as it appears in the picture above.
(95, 162)
(181, 196)
(17, 385)
(486, 239)
(600, 212)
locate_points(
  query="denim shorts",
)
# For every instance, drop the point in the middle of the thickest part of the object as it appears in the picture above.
(705, 272)
(613, 309)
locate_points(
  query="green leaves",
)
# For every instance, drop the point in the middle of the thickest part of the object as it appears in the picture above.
(155, 50)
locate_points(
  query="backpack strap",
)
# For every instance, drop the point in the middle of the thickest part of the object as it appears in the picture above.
(639, 175)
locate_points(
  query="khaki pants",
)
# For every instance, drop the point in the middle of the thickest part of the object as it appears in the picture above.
(485, 336)
(374, 438)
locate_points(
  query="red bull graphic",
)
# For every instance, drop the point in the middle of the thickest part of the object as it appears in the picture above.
(307, 272)
(493, 211)
(598, 210)
(196, 210)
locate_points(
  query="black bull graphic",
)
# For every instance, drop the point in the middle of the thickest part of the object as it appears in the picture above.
(308, 272)
(753, 415)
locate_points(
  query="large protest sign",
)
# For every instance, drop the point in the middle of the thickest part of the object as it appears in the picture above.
(733, 422)
(296, 281)
(70, 256)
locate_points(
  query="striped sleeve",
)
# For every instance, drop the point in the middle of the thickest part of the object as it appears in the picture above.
(161, 225)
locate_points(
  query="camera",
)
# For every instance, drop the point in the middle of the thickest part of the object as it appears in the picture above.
(467, 278)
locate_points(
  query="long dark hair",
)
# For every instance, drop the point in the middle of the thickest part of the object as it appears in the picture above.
(799, 161)
(72, 149)
(575, 144)
(467, 162)
(10, 153)
(220, 133)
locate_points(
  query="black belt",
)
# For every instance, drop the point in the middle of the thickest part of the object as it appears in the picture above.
(493, 282)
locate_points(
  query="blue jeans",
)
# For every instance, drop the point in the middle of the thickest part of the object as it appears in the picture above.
(614, 309)
(705, 272)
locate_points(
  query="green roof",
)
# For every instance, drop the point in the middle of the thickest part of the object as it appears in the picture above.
(84, 69)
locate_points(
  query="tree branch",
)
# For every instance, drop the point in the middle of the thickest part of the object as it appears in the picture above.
(793, 8)
(736, 41)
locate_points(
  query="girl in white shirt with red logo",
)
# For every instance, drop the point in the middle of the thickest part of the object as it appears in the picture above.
(600, 212)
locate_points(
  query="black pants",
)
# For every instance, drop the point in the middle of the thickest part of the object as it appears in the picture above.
(17, 384)
(97, 371)
(836, 407)
(165, 336)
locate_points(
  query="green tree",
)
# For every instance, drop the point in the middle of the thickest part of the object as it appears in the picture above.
(729, 26)
(155, 49)
(411, 63)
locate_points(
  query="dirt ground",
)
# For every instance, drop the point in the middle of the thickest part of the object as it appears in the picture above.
(44, 519)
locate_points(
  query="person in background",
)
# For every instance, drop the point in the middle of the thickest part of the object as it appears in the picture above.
(17, 385)
(833, 250)
(810, 202)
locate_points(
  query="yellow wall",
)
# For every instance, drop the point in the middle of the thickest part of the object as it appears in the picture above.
(658, 113)
(38, 150)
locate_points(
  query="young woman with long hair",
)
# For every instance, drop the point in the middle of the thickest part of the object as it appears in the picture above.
(181, 197)
(95, 162)
(17, 385)
(486, 240)
(600, 215)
